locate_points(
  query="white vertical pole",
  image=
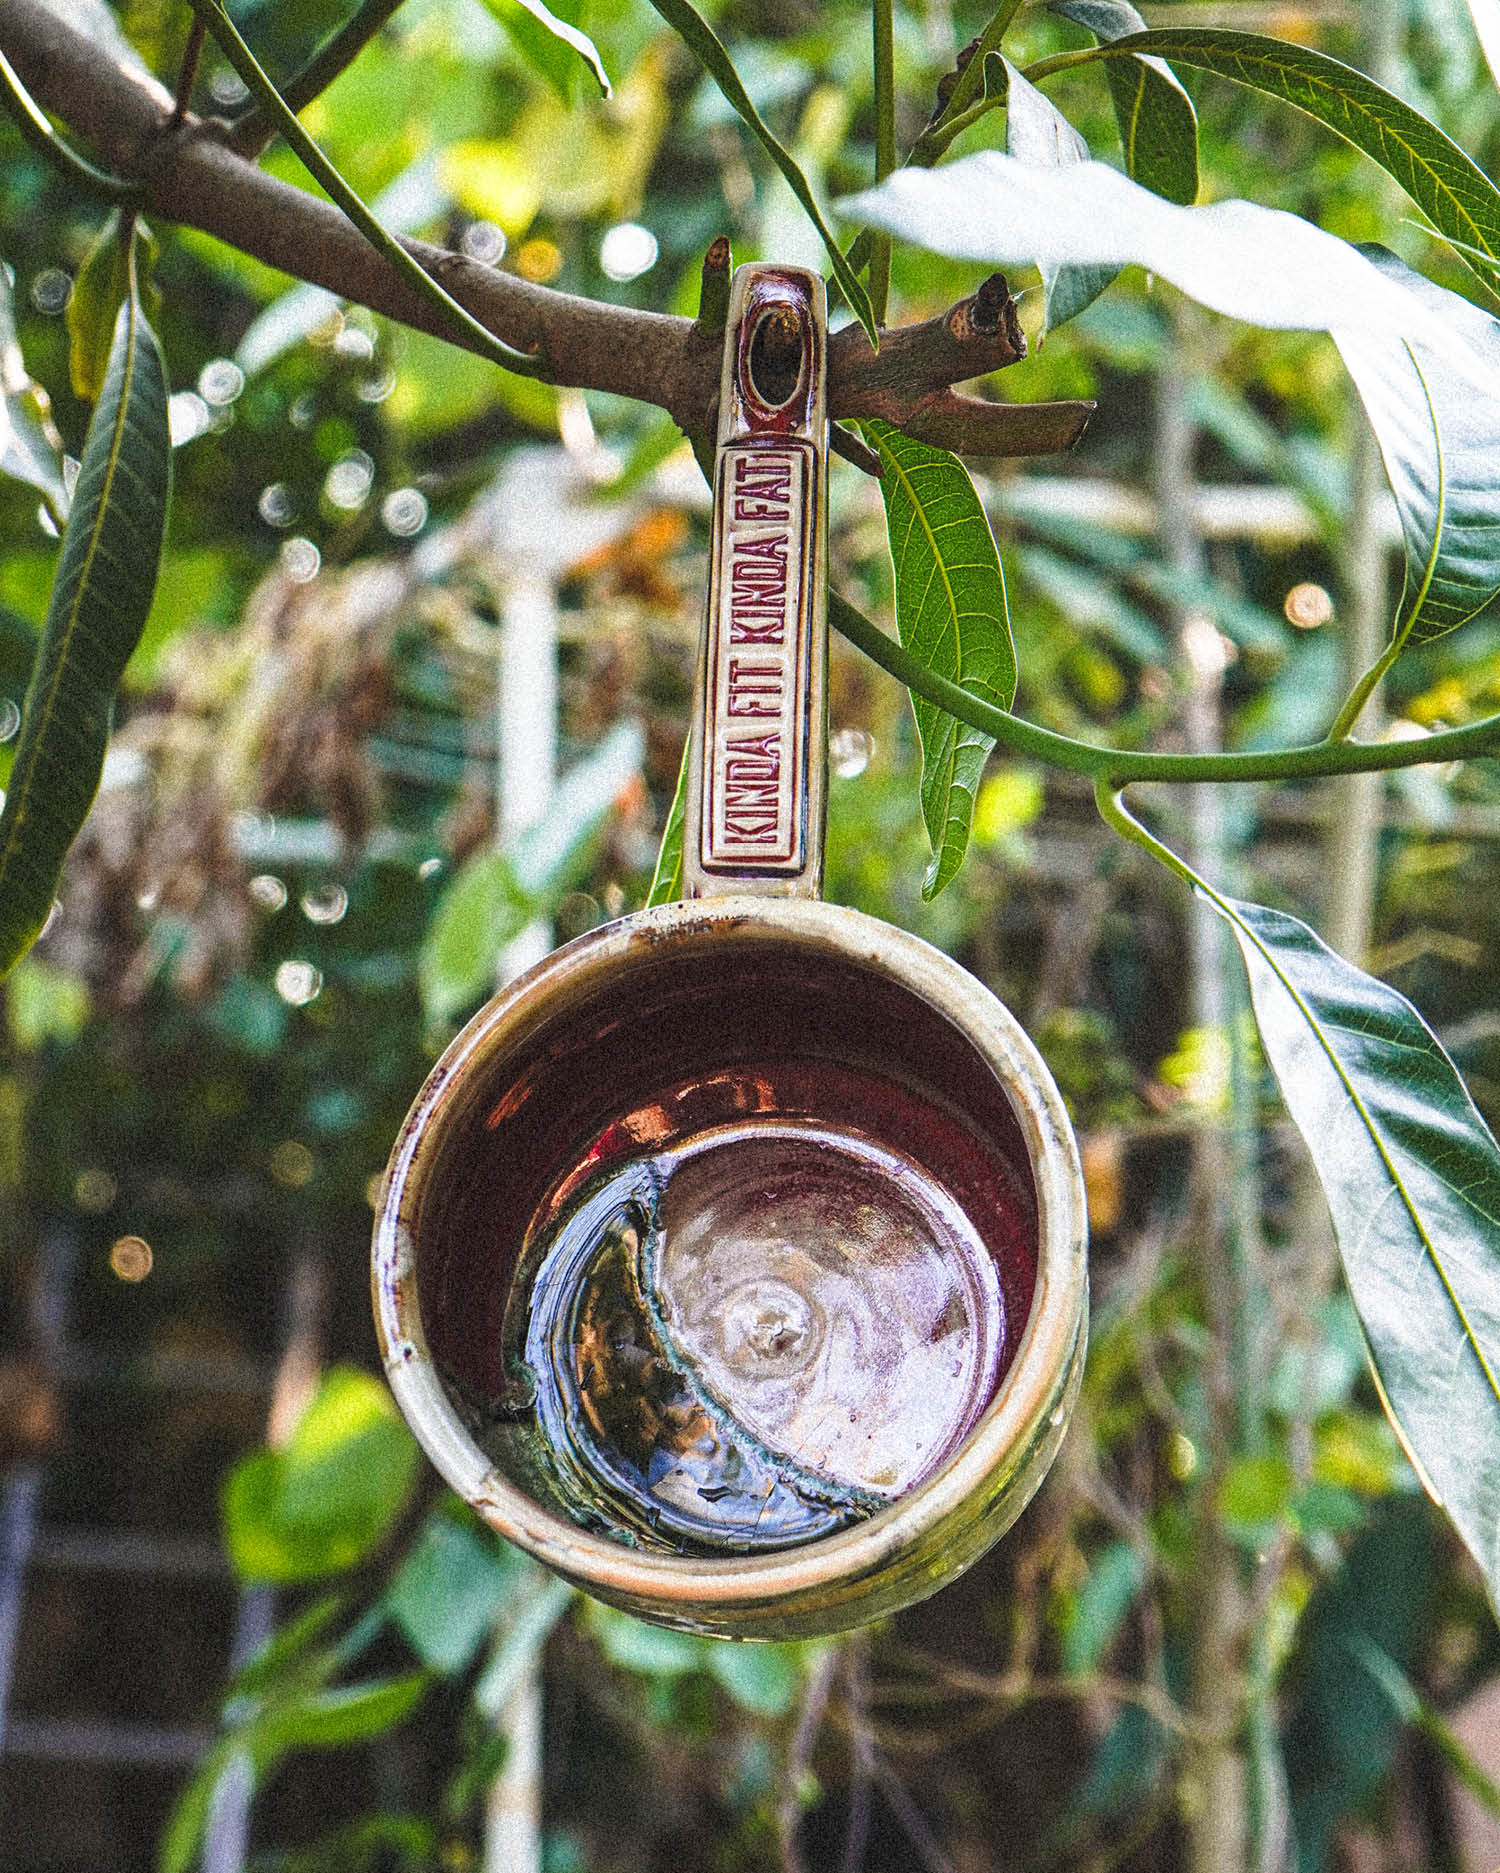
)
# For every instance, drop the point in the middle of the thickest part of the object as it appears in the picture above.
(527, 724)
(527, 733)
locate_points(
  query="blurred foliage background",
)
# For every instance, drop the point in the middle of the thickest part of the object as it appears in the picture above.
(258, 951)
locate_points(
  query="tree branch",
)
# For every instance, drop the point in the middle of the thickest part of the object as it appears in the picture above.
(189, 174)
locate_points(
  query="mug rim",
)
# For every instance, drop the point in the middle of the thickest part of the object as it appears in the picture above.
(931, 1532)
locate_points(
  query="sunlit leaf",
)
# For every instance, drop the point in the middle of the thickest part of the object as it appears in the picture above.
(1258, 264)
(1450, 188)
(99, 289)
(1158, 125)
(709, 49)
(30, 447)
(1424, 359)
(951, 612)
(540, 35)
(100, 599)
(496, 894)
(323, 1502)
(1412, 1178)
(1037, 132)
(1486, 17)
(1438, 436)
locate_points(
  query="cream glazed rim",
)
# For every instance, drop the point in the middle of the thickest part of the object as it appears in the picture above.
(1030, 1404)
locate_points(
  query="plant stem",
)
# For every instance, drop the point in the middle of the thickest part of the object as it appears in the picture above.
(1064, 61)
(243, 60)
(969, 90)
(1362, 691)
(882, 17)
(932, 143)
(32, 123)
(1123, 766)
(252, 127)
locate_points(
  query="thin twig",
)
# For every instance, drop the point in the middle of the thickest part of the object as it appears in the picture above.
(799, 1757)
(187, 71)
(882, 18)
(913, 1821)
(857, 1655)
(251, 131)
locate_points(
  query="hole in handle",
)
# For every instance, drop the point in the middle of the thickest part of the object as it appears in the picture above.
(778, 348)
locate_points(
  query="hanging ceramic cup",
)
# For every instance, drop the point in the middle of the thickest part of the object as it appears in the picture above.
(731, 1261)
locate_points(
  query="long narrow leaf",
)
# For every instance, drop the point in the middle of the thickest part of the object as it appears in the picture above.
(1412, 1178)
(711, 54)
(1450, 188)
(105, 579)
(551, 33)
(1158, 125)
(1037, 132)
(951, 612)
(497, 893)
(1439, 439)
(666, 880)
(30, 447)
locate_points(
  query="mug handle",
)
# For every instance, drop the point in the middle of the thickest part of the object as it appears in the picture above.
(758, 781)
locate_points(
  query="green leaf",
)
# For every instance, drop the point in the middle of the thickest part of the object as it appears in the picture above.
(177, 1850)
(950, 612)
(1450, 188)
(710, 52)
(1114, 1579)
(1414, 1709)
(99, 290)
(319, 1719)
(30, 448)
(1158, 125)
(666, 880)
(45, 1004)
(763, 1679)
(325, 1501)
(1412, 1178)
(286, 1654)
(100, 598)
(633, 1645)
(549, 44)
(1438, 436)
(1254, 1496)
(448, 1592)
(496, 894)
(1037, 132)
(348, 1713)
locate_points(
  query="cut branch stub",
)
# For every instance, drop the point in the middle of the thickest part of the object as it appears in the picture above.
(189, 174)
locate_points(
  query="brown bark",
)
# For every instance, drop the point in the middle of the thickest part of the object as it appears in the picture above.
(189, 174)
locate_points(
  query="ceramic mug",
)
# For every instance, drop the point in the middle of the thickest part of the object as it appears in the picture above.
(731, 1261)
